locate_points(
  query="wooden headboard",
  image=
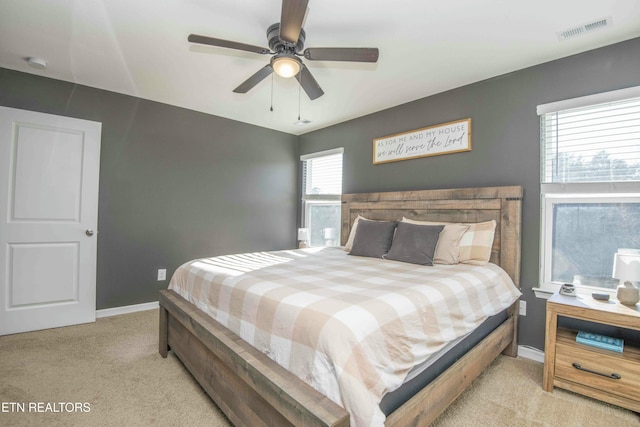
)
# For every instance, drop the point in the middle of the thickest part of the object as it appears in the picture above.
(451, 205)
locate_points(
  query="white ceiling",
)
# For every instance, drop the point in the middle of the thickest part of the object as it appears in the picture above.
(140, 48)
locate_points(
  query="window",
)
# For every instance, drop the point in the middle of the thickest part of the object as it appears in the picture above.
(590, 186)
(321, 196)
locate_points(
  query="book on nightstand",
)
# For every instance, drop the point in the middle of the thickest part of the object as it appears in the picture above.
(601, 341)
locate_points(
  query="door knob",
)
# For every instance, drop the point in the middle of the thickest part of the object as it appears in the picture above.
(89, 233)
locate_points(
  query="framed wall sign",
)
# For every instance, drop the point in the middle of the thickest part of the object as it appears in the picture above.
(445, 138)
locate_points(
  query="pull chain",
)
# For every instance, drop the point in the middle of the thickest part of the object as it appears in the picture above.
(271, 109)
(299, 100)
(299, 86)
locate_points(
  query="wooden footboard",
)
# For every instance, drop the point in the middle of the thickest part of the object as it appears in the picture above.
(252, 390)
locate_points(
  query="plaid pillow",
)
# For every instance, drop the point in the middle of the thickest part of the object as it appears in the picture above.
(476, 243)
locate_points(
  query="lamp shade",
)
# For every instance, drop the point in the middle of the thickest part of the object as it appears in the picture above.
(286, 65)
(303, 234)
(626, 265)
(329, 233)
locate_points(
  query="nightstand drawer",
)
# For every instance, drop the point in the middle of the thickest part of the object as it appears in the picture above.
(601, 361)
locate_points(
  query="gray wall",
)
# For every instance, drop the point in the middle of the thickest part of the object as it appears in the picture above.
(505, 142)
(177, 184)
(174, 184)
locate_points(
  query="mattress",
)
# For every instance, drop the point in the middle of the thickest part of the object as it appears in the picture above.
(351, 327)
(422, 375)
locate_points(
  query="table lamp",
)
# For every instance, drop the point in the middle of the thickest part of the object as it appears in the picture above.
(626, 268)
(303, 237)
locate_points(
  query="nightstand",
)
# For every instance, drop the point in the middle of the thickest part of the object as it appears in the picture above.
(601, 374)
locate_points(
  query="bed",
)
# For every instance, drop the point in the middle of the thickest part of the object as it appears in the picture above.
(252, 389)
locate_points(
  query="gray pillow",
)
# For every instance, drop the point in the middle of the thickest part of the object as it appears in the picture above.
(414, 243)
(373, 238)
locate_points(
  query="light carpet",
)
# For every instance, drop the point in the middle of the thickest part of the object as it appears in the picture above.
(109, 373)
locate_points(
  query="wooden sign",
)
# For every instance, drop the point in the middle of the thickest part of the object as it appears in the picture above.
(445, 138)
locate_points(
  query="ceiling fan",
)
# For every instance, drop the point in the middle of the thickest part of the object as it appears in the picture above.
(286, 41)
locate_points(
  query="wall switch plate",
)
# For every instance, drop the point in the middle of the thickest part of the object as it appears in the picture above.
(162, 274)
(523, 308)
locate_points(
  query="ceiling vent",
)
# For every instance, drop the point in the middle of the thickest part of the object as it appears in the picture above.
(584, 28)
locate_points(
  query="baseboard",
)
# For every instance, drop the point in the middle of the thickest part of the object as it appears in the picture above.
(108, 312)
(531, 353)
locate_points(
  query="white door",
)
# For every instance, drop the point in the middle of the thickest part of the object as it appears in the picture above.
(48, 217)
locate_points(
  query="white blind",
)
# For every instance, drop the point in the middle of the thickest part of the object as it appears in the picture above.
(322, 175)
(597, 143)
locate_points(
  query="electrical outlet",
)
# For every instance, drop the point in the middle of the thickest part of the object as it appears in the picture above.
(162, 274)
(523, 308)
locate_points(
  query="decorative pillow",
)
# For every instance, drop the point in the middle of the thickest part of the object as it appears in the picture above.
(352, 233)
(448, 247)
(476, 243)
(414, 243)
(373, 238)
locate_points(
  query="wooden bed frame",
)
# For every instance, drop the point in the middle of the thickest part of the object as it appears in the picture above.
(252, 390)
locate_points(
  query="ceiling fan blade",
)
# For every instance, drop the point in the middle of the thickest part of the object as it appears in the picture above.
(291, 19)
(255, 79)
(351, 54)
(309, 84)
(194, 38)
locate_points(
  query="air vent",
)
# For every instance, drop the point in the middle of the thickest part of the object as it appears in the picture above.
(596, 25)
(584, 28)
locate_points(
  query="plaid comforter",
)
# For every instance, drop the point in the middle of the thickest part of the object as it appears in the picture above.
(351, 327)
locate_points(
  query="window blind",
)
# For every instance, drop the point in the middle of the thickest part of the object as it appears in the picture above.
(597, 143)
(322, 175)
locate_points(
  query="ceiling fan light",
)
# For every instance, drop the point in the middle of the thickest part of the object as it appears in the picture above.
(286, 66)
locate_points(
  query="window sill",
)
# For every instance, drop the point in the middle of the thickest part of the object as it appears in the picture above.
(543, 293)
(546, 293)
